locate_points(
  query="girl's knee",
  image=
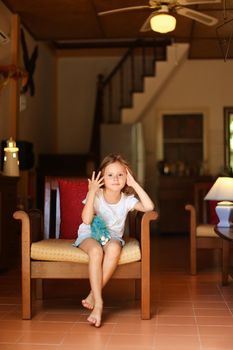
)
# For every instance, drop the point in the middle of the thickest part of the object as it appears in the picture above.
(113, 249)
(96, 252)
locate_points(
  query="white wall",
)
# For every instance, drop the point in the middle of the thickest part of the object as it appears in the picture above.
(204, 86)
(37, 123)
(77, 78)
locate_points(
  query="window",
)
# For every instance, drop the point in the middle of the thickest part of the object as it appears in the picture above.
(228, 139)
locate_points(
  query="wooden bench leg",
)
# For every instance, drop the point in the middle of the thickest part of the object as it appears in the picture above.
(193, 255)
(225, 261)
(145, 294)
(26, 288)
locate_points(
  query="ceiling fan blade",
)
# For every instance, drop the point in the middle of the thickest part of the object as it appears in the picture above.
(146, 25)
(197, 2)
(197, 16)
(123, 9)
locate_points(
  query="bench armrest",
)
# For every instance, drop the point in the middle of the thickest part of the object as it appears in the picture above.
(32, 225)
(145, 230)
(193, 218)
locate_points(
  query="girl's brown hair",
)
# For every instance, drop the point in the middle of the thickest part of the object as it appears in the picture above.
(112, 158)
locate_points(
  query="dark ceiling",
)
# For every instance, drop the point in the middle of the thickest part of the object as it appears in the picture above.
(62, 21)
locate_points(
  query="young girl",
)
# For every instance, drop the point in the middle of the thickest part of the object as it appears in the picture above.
(107, 198)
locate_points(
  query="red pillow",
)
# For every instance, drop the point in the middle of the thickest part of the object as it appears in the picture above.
(72, 193)
(213, 216)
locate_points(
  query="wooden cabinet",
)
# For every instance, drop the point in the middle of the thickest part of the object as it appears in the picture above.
(174, 193)
(8, 234)
(183, 145)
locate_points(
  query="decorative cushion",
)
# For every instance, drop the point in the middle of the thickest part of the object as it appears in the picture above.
(72, 193)
(206, 230)
(63, 250)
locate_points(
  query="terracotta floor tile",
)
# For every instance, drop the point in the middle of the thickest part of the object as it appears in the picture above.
(143, 327)
(178, 311)
(3, 314)
(213, 312)
(85, 327)
(216, 330)
(228, 298)
(96, 340)
(207, 298)
(42, 338)
(217, 321)
(60, 317)
(7, 307)
(210, 305)
(128, 347)
(220, 343)
(139, 340)
(79, 346)
(179, 303)
(176, 330)
(7, 336)
(15, 325)
(179, 342)
(29, 347)
(176, 320)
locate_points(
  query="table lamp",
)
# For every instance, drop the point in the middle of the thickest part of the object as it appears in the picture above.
(222, 191)
(11, 161)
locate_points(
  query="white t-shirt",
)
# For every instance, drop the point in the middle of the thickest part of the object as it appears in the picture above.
(114, 215)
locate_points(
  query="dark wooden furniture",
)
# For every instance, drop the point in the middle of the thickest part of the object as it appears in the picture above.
(202, 233)
(183, 140)
(226, 234)
(174, 192)
(33, 230)
(8, 234)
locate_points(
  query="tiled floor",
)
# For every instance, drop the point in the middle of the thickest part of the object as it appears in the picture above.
(188, 313)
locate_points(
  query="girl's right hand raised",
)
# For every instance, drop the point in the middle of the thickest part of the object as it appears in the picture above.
(94, 184)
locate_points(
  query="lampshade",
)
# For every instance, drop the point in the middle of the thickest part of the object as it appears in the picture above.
(163, 23)
(222, 191)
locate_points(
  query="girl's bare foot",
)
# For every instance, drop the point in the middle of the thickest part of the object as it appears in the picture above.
(95, 317)
(88, 303)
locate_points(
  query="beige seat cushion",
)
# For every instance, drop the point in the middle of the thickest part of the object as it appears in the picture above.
(206, 230)
(63, 250)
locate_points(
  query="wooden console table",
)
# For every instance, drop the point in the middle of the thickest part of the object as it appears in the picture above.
(226, 233)
(8, 234)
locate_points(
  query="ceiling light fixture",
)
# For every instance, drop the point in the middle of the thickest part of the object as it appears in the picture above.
(163, 22)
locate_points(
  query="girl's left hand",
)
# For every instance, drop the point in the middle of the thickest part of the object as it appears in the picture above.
(130, 181)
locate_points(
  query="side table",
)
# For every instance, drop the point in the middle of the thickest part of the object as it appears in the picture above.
(226, 233)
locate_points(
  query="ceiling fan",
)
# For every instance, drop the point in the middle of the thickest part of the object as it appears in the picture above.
(165, 9)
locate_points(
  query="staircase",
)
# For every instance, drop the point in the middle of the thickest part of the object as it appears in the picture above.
(154, 85)
(115, 92)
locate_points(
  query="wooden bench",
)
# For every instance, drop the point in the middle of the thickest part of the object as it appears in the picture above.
(40, 235)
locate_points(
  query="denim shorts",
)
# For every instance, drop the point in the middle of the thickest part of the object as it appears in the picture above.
(84, 236)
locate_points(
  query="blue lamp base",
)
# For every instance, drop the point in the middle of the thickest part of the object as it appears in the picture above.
(224, 211)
